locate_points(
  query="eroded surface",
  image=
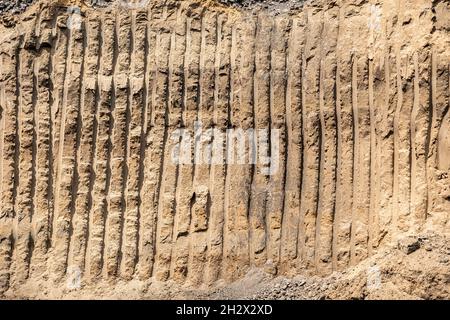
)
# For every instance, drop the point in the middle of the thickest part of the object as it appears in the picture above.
(357, 90)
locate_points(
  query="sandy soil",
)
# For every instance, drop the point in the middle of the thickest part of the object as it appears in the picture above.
(353, 94)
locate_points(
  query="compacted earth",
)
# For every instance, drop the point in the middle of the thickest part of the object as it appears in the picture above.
(128, 139)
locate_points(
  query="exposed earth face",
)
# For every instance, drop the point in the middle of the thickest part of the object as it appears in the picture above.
(195, 149)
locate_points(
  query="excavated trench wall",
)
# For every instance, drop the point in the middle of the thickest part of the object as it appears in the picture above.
(358, 90)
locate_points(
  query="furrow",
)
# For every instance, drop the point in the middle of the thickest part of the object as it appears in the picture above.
(43, 192)
(86, 149)
(293, 187)
(184, 95)
(345, 143)
(118, 166)
(167, 183)
(419, 138)
(26, 91)
(278, 139)
(238, 149)
(8, 121)
(153, 135)
(66, 180)
(103, 118)
(327, 198)
(135, 139)
(219, 168)
(201, 206)
(311, 142)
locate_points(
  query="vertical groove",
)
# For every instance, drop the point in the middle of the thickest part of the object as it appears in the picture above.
(396, 168)
(5, 234)
(228, 239)
(311, 122)
(374, 145)
(419, 134)
(153, 135)
(278, 138)
(439, 155)
(360, 104)
(396, 171)
(98, 214)
(135, 141)
(67, 179)
(435, 118)
(168, 172)
(58, 269)
(86, 149)
(59, 71)
(9, 101)
(246, 122)
(374, 161)
(387, 147)
(143, 219)
(403, 123)
(361, 160)
(438, 110)
(26, 156)
(185, 92)
(345, 127)
(238, 147)
(385, 102)
(179, 57)
(328, 149)
(201, 204)
(118, 165)
(293, 187)
(338, 136)
(40, 223)
(219, 169)
(356, 179)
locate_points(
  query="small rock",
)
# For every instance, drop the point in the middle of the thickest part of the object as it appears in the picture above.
(444, 260)
(408, 245)
(270, 268)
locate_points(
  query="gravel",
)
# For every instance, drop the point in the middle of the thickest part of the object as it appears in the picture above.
(14, 6)
(276, 6)
(17, 6)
